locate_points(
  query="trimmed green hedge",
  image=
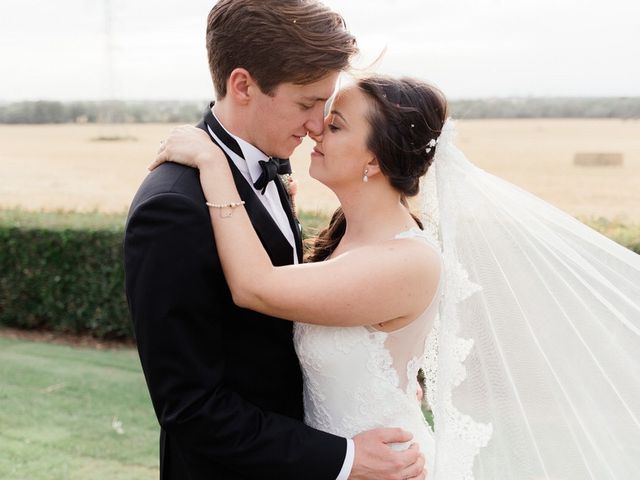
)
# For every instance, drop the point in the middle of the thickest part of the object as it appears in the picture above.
(64, 272)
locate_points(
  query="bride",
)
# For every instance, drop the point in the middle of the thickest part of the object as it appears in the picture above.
(526, 322)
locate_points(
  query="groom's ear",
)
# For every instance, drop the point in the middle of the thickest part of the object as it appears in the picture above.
(240, 86)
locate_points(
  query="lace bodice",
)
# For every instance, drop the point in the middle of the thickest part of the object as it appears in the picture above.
(359, 378)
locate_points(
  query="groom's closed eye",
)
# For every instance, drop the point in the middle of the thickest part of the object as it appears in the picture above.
(308, 103)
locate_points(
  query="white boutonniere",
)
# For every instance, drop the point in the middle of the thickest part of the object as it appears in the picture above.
(291, 186)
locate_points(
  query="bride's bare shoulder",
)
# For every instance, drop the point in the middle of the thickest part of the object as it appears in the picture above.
(415, 253)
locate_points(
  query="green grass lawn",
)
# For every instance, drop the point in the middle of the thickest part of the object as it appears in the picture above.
(57, 405)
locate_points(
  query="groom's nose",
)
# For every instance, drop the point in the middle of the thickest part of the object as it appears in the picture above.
(315, 122)
(316, 138)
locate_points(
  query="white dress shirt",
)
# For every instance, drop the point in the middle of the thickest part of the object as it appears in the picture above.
(250, 168)
(251, 171)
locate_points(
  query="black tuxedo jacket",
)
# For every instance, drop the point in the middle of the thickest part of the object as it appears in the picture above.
(224, 381)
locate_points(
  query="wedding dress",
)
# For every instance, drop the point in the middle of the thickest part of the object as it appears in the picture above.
(359, 378)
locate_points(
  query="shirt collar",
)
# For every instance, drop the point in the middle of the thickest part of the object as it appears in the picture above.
(252, 155)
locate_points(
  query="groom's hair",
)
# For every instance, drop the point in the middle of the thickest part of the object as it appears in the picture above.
(276, 41)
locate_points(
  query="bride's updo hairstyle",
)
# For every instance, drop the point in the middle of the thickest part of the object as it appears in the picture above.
(405, 117)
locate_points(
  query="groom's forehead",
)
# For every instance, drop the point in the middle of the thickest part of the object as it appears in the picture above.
(315, 98)
(312, 93)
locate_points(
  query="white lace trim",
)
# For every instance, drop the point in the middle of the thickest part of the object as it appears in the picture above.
(459, 436)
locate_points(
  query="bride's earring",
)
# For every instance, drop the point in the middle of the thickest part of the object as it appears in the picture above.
(365, 179)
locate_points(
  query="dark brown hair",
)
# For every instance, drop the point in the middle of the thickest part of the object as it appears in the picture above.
(405, 116)
(277, 41)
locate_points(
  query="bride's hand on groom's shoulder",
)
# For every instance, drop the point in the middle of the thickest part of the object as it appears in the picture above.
(376, 460)
(190, 146)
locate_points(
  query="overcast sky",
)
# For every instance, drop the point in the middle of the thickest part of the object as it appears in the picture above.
(469, 48)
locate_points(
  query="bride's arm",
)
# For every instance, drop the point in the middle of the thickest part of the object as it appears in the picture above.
(365, 286)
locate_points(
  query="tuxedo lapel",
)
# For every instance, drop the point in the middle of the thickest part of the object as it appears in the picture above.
(285, 199)
(275, 243)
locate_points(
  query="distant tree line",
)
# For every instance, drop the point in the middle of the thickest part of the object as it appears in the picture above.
(40, 112)
(605, 107)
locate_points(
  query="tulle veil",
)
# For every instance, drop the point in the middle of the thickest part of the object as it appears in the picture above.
(533, 366)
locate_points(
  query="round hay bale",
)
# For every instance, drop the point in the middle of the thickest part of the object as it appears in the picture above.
(598, 159)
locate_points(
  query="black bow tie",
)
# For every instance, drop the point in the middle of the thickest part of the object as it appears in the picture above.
(270, 170)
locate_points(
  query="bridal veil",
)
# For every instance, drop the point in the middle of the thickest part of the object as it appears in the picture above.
(533, 367)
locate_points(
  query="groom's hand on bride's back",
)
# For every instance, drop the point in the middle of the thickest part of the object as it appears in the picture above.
(376, 460)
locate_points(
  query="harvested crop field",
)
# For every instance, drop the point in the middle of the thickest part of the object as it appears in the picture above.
(99, 167)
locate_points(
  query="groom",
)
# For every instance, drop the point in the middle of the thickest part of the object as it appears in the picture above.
(225, 382)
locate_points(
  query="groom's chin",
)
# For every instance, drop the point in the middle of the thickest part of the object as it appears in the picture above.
(291, 146)
(284, 153)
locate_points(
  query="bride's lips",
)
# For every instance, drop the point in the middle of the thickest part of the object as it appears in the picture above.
(316, 151)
